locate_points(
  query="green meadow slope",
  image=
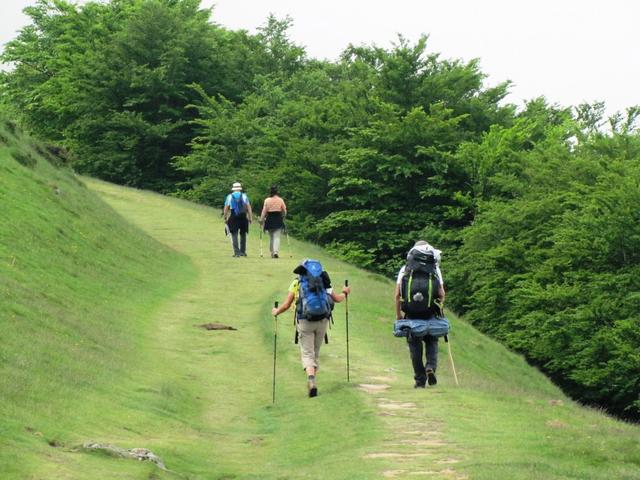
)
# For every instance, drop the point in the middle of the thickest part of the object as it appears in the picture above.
(101, 343)
(79, 287)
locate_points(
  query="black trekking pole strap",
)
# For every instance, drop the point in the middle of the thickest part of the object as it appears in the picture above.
(295, 325)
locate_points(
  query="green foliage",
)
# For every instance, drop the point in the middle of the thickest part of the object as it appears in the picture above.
(363, 144)
(553, 268)
(111, 81)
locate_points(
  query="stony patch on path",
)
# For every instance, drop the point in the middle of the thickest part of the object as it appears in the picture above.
(391, 405)
(423, 442)
(383, 379)
(446, 473)
(415, 452)
(395, 455)
(373, 387)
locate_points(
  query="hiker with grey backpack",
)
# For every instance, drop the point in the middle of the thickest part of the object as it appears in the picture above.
(419, 301)
(313, 297)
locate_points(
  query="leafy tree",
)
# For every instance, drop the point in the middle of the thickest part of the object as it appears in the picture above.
(111, 81)
(550, 264)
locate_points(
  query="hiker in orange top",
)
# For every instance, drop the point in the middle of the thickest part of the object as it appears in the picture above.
(313, 296)
(272, 219)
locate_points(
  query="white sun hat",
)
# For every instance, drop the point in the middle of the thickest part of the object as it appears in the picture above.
(237, 187)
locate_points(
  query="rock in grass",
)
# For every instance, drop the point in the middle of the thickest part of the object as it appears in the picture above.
(140, 454)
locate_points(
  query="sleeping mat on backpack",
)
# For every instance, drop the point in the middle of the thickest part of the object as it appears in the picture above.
(434, 326)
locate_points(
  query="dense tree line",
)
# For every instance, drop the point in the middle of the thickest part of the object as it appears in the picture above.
(551, 263)
(535, 208)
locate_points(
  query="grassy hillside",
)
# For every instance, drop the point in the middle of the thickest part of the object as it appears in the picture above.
(101, 344)
(78, 289)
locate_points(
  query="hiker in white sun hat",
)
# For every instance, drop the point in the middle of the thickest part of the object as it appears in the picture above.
(237, 216)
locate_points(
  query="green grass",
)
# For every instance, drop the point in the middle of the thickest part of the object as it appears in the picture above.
(100, 344)
(79, 288)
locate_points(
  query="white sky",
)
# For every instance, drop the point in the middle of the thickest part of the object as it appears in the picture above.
(567, 50)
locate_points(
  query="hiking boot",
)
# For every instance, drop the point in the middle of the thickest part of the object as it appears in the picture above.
(275, 255)
(431, 377)
(420, 385)
(313, 388)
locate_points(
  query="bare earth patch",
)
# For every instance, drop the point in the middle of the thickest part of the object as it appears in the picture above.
(556, 424)
(215, 326)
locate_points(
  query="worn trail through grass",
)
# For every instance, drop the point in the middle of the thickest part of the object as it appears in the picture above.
(345, 426)
(211, 390)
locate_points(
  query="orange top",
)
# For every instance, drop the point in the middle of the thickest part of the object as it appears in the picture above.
(273, 204)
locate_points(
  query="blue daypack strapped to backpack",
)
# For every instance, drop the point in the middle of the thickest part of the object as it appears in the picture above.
(435, 326)
(313, 301)
(238, 205)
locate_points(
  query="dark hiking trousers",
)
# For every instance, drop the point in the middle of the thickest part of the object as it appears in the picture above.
(415, 349)
(239, 224)
(242, 248)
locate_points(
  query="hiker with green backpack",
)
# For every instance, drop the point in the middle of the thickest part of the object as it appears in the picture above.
(237, 217)
(313, 296)
(419, 296)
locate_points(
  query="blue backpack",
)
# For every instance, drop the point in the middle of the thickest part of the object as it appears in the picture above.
(313, 300)
(238, 205)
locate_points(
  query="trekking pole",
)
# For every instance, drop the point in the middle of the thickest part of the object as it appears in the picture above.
(346, 310)
(286, 232)
(260, 241)
(275, 346)
(227, 232)
(453, 367)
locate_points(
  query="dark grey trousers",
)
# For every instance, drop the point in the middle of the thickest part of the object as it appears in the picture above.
(242, 249)
(415, 349)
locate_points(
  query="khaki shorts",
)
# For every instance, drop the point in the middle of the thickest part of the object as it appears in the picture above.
(311, 337)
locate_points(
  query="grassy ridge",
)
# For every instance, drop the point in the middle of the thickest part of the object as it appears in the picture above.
(101, 345)
(77, 288)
